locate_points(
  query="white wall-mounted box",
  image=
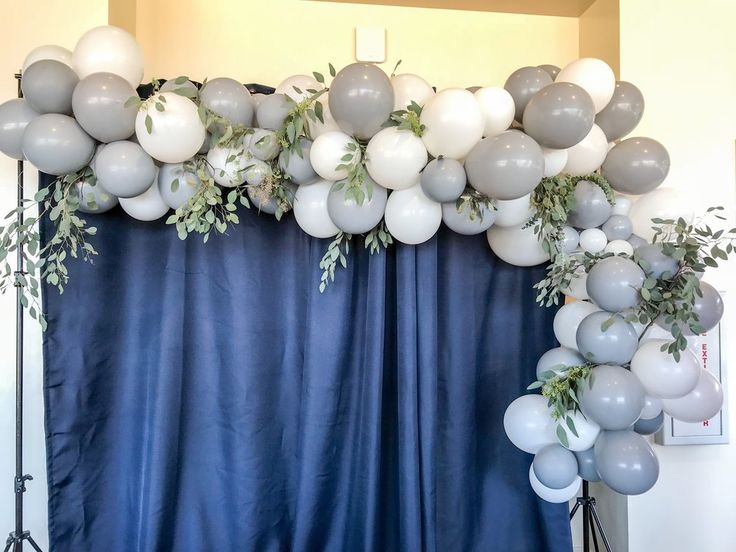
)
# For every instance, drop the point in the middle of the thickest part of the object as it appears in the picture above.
(370, 44)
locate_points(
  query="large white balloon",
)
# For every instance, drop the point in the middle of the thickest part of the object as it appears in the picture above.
(664, 203)
(410, 88)
(528, 423)
(48, 51)
(227, 165)
(512, 212)
(146, 207)
(108, 49)
(328, 123)
(661, 375)
(411, 217)
(586, 429)
(516, 245)
(301, 82)
(594, 76)
(326, 154)
(587, 155)
(394, 158)
(454, 123)
(702, 403)
(310, 209)
(497, 107)
(177, 133)
(554, 161)
(567, 320)
(555, 496)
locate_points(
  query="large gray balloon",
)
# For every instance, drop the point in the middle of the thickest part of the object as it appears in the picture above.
(559, 116)
(615, 398)
(124, 169)
(614, 345)
(654, 262)
(15, 115)
(443, 179)
(56, 144)
(273, 111)
(626, 462)
(352, 218)
(586, 465)
(48, 86)
(557, 359)
(591, 206)
(709, 309)
(93, 199)
(266, 203)
(614, 283)
(299, 168)
(649, 426)
(187, 184)
(636, 166)
(622, 113)
(229, 99)
(555, 466)
(506, 166)
(523, 83)
(361, 99)
(461, 222)
(99, 107)
(552, 70)
(617, 227)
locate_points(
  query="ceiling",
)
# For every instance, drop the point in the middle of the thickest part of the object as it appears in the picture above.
(565, 8)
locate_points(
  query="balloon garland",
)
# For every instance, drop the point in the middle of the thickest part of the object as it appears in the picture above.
(541, 165)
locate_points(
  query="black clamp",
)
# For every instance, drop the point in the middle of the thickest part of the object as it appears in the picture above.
(20, 483)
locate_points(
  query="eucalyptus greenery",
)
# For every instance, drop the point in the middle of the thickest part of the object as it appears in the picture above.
(379, 237)
(336, 252)
(407, 119)
(474, 201)
(357, 186)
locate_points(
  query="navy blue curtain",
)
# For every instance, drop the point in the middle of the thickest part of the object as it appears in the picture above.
(208, 398)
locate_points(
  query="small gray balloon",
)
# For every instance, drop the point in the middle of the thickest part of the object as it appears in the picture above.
(176, 184)
(614, 283)
(299, 168)
(570, 239)
(124, 169)
(352, 218)
(523, 83)
(614, 399)
(56, 144)
(15, 115)
(264, 144)
(655, 263)
(617, 227)
(265, 202)
(273, 110)
(650, 426)
(466, 222)
(506, 166)
(185, 85)
(636, 166)
(443, 180)
(93, 199)
(626, 462)
(614, 345)
(473, 89)
(555, 466)
(552, 70)
(229, 99)
(591, 206)
(622, 113)
(586, 465)
(361, 99)
(557, 359)
(559, 116)
(48, 86)
(99, 107)
(636, 241)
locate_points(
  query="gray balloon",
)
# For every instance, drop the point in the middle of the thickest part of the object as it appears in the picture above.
(586, 465)
(56, 144)
(591, 206)
(273, 110)
(265, 202)
(299, 168)
(523, 83)
(48, 86)
(559, 116)
(555, 466)
(15, 115)
(622, 113)
(352, 218)
(506, 166)
(92, 198)
(552, 70)
(614, 283)
(264, 144)
(99, 107)
(617, 227)
(461, 221)
(626, 462)
(171, 86)
(176, 184)
(636, 166)
(654, 262)
(570, 239)
(443, 180)
(709, 309)
(361, 99)
(614, 345)
(229, 99)
(649, 426)
(614, 399)
(557, 359)
(636, 241)
(124, 169)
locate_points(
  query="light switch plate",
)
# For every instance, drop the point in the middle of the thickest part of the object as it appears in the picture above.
(370, 44)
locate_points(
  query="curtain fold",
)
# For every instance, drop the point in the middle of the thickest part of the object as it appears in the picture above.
(207, 397)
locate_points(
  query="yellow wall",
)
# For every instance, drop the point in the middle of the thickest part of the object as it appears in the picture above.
(599, 32)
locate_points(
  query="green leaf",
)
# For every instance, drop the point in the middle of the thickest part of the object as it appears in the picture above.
(149, 124)
(562, 436)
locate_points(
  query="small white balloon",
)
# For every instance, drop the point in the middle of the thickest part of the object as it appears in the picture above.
(327, 152)
(497, 107)
(516, 245)
(587, 432)
(454, 123)
(664, 203)
(410, 88)
(108, 49)
(48, 51)
(146, 207)
(528, 423)
(702, 403)
(411, 217)
(594, 76)
(587, 155)
(394, 158)
(303, 83)
(556, 496)
(227, 165)
(567, 320)
(619, 246)
(593, 240)
(554, 161)
(310, 209)
(513, 212)
(622, 205)
(661, 375)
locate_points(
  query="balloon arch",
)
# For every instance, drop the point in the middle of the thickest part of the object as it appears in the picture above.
(541, 165)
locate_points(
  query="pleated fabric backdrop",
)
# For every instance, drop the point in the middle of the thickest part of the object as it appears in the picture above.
(206, 397)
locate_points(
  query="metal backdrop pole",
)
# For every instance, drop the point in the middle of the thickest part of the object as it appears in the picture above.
(591, 521)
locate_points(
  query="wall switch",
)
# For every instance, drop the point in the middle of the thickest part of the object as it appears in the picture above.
(370, 44)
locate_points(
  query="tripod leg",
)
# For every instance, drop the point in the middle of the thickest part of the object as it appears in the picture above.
(8, 544)
(600, 529)
(38, 548)
(592, 534)
(574, 509)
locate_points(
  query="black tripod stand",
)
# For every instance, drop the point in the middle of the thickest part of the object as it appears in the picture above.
(17, 537)
(591, 521)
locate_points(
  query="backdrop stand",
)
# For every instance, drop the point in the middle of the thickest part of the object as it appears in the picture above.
(591, 521)
(16, 538)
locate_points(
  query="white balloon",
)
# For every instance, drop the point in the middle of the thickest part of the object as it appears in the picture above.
(410, 88)
(177, 133)
(327, 152)
(512, 212)
(622, 205)
(587, 155)
(702, 403)
(567, 320)
(528, 423)
(664, 203)
(586, 429)
(594, 76)
(227, 165)
(49, 51)
(516, 245)
(310, 209)
(303, 83)
(454, 123)
(411, 217)
(619, 246)
(318, 128)
(554, 161)
(394, 158)
(555, 496)
(497, 107)
(652, 408)
(593, 240)
(108, 49)
(660, 374)
(146, 207)
(578, 287)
